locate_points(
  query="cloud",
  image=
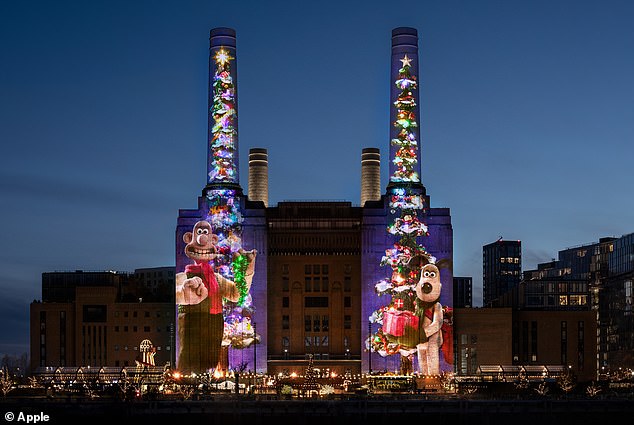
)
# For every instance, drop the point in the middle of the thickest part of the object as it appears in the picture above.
(78, 191)
(531, 257)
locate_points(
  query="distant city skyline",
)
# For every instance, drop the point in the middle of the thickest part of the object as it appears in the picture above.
(527, 122)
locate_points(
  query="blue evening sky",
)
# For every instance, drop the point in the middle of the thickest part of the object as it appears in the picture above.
(527, 122)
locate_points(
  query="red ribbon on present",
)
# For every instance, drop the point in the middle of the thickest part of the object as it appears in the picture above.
(395, 321)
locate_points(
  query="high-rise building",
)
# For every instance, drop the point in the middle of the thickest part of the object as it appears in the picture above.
(462, 292)
(501, 269)
(612, 299)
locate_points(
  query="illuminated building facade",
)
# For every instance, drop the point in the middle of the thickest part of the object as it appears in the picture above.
(313, 288)
(530, 338)
(314, 262)
(101, 318)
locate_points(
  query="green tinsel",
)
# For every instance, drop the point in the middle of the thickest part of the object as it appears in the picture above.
(239, 267)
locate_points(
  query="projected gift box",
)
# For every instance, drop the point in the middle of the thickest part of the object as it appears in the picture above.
(395, 322)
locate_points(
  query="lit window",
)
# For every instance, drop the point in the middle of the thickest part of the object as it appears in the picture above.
(563, 300)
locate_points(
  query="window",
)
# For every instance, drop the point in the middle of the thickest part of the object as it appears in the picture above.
(116, 328)
(95, 313)
(284, 268)
(346, 341)
(316, 341)
(285, 302)
(324, 323)
(125, 329)
(316, 269)
(563, 300)
(307, 284)
(317, 284)
(285, 284)
(307, 324)
(307, 341)
(347, 284)
(125, 314)
(347, 301)
(564, 342)
(308, 269)
(324, 341)
(324, 283)
(134, 314)
(324, 269)
(285, 341)
(285, 322)
(580, 344)
(315, 302)
(316, 322)
(347, 321)
(147, 314)
(146, 329)
(534, 341)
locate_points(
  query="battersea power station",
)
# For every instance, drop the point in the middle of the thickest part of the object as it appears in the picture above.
(351, 289)
(275, 289)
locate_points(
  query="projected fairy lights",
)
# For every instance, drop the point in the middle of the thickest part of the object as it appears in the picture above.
(411, 322)
(223, 143)
(406, 259)
(225, 218)
(405, 158)
(224, 212)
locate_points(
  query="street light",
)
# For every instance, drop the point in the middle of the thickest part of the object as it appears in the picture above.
(369, 347)
(255, 345)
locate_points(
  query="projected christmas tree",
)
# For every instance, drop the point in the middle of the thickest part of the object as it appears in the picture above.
(223, 142)
(224, 204)
(400, 331)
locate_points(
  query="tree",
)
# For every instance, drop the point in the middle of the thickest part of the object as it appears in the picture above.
(6, 381)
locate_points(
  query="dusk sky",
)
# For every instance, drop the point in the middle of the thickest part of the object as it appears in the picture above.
(527, 122)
